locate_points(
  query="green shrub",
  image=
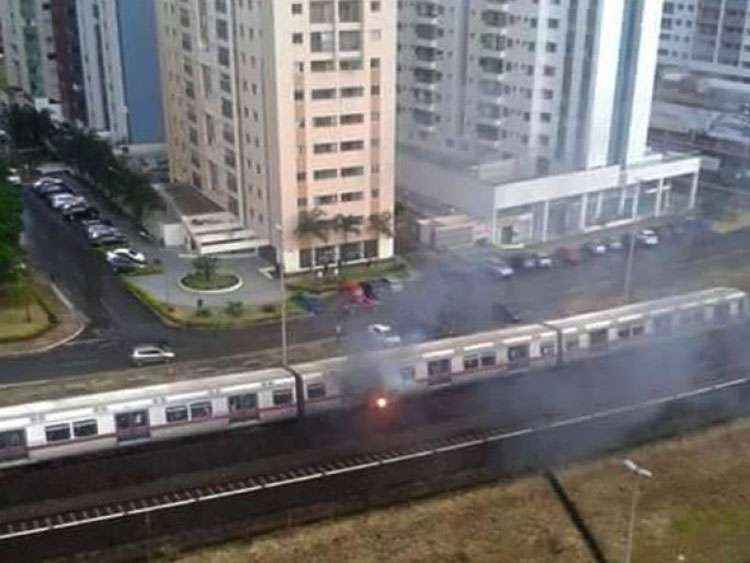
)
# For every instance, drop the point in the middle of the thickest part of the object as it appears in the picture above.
(268, 308)
(235, 308)
(203, 312)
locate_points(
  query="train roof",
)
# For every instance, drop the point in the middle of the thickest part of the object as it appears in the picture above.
(144, 396)
(636, 311)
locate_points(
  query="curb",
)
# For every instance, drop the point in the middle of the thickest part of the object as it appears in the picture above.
(231, 289)
(79, 317)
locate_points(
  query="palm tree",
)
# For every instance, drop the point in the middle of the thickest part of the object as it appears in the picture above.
(382, 223)
(346, 225)
(311, 223)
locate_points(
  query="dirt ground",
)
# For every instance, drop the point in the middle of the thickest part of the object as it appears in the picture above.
(695, 509)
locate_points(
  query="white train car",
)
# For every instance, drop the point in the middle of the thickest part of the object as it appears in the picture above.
(76, 425)
(680, 315)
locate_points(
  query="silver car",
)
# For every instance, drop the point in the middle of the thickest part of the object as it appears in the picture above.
(151, 354)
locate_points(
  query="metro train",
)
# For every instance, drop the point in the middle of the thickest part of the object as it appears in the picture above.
(46, 430)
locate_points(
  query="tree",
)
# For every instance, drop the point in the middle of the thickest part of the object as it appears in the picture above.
(312, 223)
(29, 128)
(382, 223)
(11, 226)
(206, 266)
(346, 225)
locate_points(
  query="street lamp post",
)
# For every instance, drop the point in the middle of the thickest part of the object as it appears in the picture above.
(640, 473)
(284, 352)
(629, 267)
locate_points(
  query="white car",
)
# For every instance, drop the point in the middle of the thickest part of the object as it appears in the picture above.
(14, 177)
(58, 201)
(500, 268)
(47, 180)
(150, 354)
(647, 237)
(128, 253)
(385, 334)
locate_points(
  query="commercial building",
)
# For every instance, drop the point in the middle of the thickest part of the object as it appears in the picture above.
(282, 114)
(708, 37)
(533, 108)
(120, 67)
(30, 57)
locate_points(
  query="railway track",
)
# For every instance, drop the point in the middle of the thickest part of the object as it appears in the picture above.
(204, 497)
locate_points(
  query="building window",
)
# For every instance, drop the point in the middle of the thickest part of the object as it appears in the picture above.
(297, 38)
(305, 258)
(324, 94)
(325, 174)
(371, 249)
(296, 9)
(352, 171)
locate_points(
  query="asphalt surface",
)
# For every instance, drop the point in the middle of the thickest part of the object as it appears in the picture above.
(119, 320)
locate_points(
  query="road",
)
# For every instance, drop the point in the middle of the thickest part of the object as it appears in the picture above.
(119, 320)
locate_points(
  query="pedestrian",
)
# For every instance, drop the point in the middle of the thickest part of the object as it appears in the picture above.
(338, 333)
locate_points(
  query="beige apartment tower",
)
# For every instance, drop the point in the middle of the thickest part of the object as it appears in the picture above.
(282, 111)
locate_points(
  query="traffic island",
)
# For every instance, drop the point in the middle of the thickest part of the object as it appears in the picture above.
(218, 283)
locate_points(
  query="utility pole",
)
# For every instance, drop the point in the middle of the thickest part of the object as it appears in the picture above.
(640, 473)
(629, 267)
(284, 352)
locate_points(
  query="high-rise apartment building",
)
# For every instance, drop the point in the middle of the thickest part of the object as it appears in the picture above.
(69, 61)
(532, 115)
(550, 82)
(281, 110)
(30, 57)
(707, 36)
(120, 68)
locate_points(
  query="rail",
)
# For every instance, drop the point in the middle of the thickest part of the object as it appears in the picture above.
(119, 510)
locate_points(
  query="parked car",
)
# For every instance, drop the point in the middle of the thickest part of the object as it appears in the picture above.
(151, 353)
(570, 255)
(50, 189)
(123, 265)
(128, 254)
(499, 268)
(47, 180)
(503, 314)
(14, 177)
(522, 262)
(543, 260)
(387, 284)
(109, 239)
(384, 334)
(595, 247)
(81, 213)
(62, 204)
(646, 238)
(615, 244)
(56, 201)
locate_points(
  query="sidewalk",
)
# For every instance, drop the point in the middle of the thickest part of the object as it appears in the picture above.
(70, 325)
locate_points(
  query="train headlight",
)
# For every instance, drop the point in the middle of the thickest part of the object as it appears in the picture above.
(381, 402)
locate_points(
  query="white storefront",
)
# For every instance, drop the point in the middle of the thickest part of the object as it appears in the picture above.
(551, 207)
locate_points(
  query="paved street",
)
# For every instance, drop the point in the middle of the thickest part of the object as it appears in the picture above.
(118, 320)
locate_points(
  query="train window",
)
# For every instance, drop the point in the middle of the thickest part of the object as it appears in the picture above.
(516, 353)
(316, 390)
(57, 432)
(245, 402)
(572, 343)
(200, 410)
(639, 330)
(128, 420)
(471, 362)
(12, 439)
(177, 414)
(407, 374)
(438, 367)
(282, 397)
(489, 359)
(623, 332)
(547, 349)
(598, 337)
(84, 428)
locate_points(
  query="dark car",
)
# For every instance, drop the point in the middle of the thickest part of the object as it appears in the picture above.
(523, 262)
(503, 314)
(86, 213)
(123, 265)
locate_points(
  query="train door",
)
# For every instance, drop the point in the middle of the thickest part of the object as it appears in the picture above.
(243, 407)
(132, 426)
(439, 371)
(518, 356)
(13, 445)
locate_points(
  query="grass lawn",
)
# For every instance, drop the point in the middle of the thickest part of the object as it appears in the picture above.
(14, 325)
(696, 515)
